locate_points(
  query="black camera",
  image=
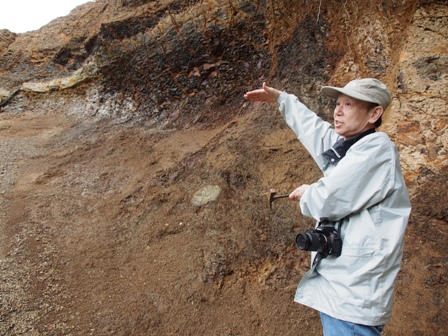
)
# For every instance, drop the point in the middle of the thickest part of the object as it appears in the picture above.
(324, 239)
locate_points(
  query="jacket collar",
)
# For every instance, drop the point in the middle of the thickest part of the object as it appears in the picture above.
(341, 147)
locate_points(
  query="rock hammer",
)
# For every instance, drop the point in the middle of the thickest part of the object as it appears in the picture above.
(273, 197)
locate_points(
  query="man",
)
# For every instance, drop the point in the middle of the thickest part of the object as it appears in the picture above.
(363, 189)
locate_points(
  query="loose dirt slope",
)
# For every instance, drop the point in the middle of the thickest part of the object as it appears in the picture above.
(99, 235)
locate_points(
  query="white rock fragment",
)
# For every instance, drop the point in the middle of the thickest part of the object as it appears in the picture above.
(206, 195)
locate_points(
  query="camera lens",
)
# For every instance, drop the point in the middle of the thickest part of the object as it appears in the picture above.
(302, 241)
(311, 241)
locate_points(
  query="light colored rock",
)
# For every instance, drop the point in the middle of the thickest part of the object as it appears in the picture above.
(206, 195)
(420, 110)
(78, 77)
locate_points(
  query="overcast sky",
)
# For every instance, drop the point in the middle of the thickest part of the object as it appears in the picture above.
(20, 16)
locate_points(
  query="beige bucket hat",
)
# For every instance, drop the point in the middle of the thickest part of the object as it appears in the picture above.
(366, 89)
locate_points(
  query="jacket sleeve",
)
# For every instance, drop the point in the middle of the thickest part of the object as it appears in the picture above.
(363, 178)
(315, 134)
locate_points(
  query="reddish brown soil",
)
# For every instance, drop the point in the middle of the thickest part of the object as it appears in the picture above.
(99, 237)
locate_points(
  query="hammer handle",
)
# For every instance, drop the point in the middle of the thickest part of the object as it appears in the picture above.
(279, 196)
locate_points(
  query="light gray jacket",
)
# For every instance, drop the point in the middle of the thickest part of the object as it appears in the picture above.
(366, 188)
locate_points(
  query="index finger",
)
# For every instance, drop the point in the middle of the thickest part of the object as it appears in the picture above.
(254, 95)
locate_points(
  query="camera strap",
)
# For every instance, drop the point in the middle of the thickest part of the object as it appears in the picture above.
(319, 256)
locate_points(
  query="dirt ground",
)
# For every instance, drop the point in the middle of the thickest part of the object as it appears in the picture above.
(99, 236)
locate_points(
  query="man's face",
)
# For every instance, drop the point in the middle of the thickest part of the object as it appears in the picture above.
(351, 116)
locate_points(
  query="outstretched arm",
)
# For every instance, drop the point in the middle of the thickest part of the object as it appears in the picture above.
(266, 94)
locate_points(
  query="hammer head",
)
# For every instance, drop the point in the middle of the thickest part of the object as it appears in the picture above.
(272, 193)
(273, 196)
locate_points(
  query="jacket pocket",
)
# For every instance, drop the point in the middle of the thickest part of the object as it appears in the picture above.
(353, 277)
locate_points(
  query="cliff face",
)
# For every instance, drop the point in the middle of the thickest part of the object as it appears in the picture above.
(142, 105)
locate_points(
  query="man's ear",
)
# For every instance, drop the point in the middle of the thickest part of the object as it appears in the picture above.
(376, 113)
